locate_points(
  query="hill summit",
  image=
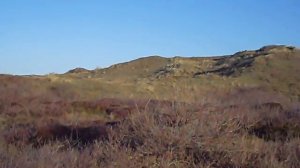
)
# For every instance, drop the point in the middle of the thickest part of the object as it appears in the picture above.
(275, 68)
(229, 65)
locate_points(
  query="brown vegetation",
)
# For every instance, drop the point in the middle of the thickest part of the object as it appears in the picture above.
(212, 134)
(245, 114)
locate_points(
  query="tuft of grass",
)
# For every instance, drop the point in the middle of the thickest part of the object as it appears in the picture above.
(213, 132)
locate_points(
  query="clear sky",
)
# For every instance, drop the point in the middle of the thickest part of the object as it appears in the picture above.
(44, 36)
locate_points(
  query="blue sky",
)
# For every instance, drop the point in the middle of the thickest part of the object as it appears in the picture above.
(44, 36)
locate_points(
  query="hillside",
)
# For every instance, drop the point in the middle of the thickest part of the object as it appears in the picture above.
(272, 67)
(239, 110)
(229, 65)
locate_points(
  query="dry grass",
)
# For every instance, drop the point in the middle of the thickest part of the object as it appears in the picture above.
(216, 132)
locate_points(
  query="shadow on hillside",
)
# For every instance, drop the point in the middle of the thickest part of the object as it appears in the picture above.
(237, 129)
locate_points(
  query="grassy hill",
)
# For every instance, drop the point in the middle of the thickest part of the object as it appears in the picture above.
(239, 110)
(272, 67)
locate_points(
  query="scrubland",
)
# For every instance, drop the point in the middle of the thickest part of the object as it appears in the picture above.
(246, 127)
(241, 110)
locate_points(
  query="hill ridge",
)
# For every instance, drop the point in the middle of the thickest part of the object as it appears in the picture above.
(160, 67)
